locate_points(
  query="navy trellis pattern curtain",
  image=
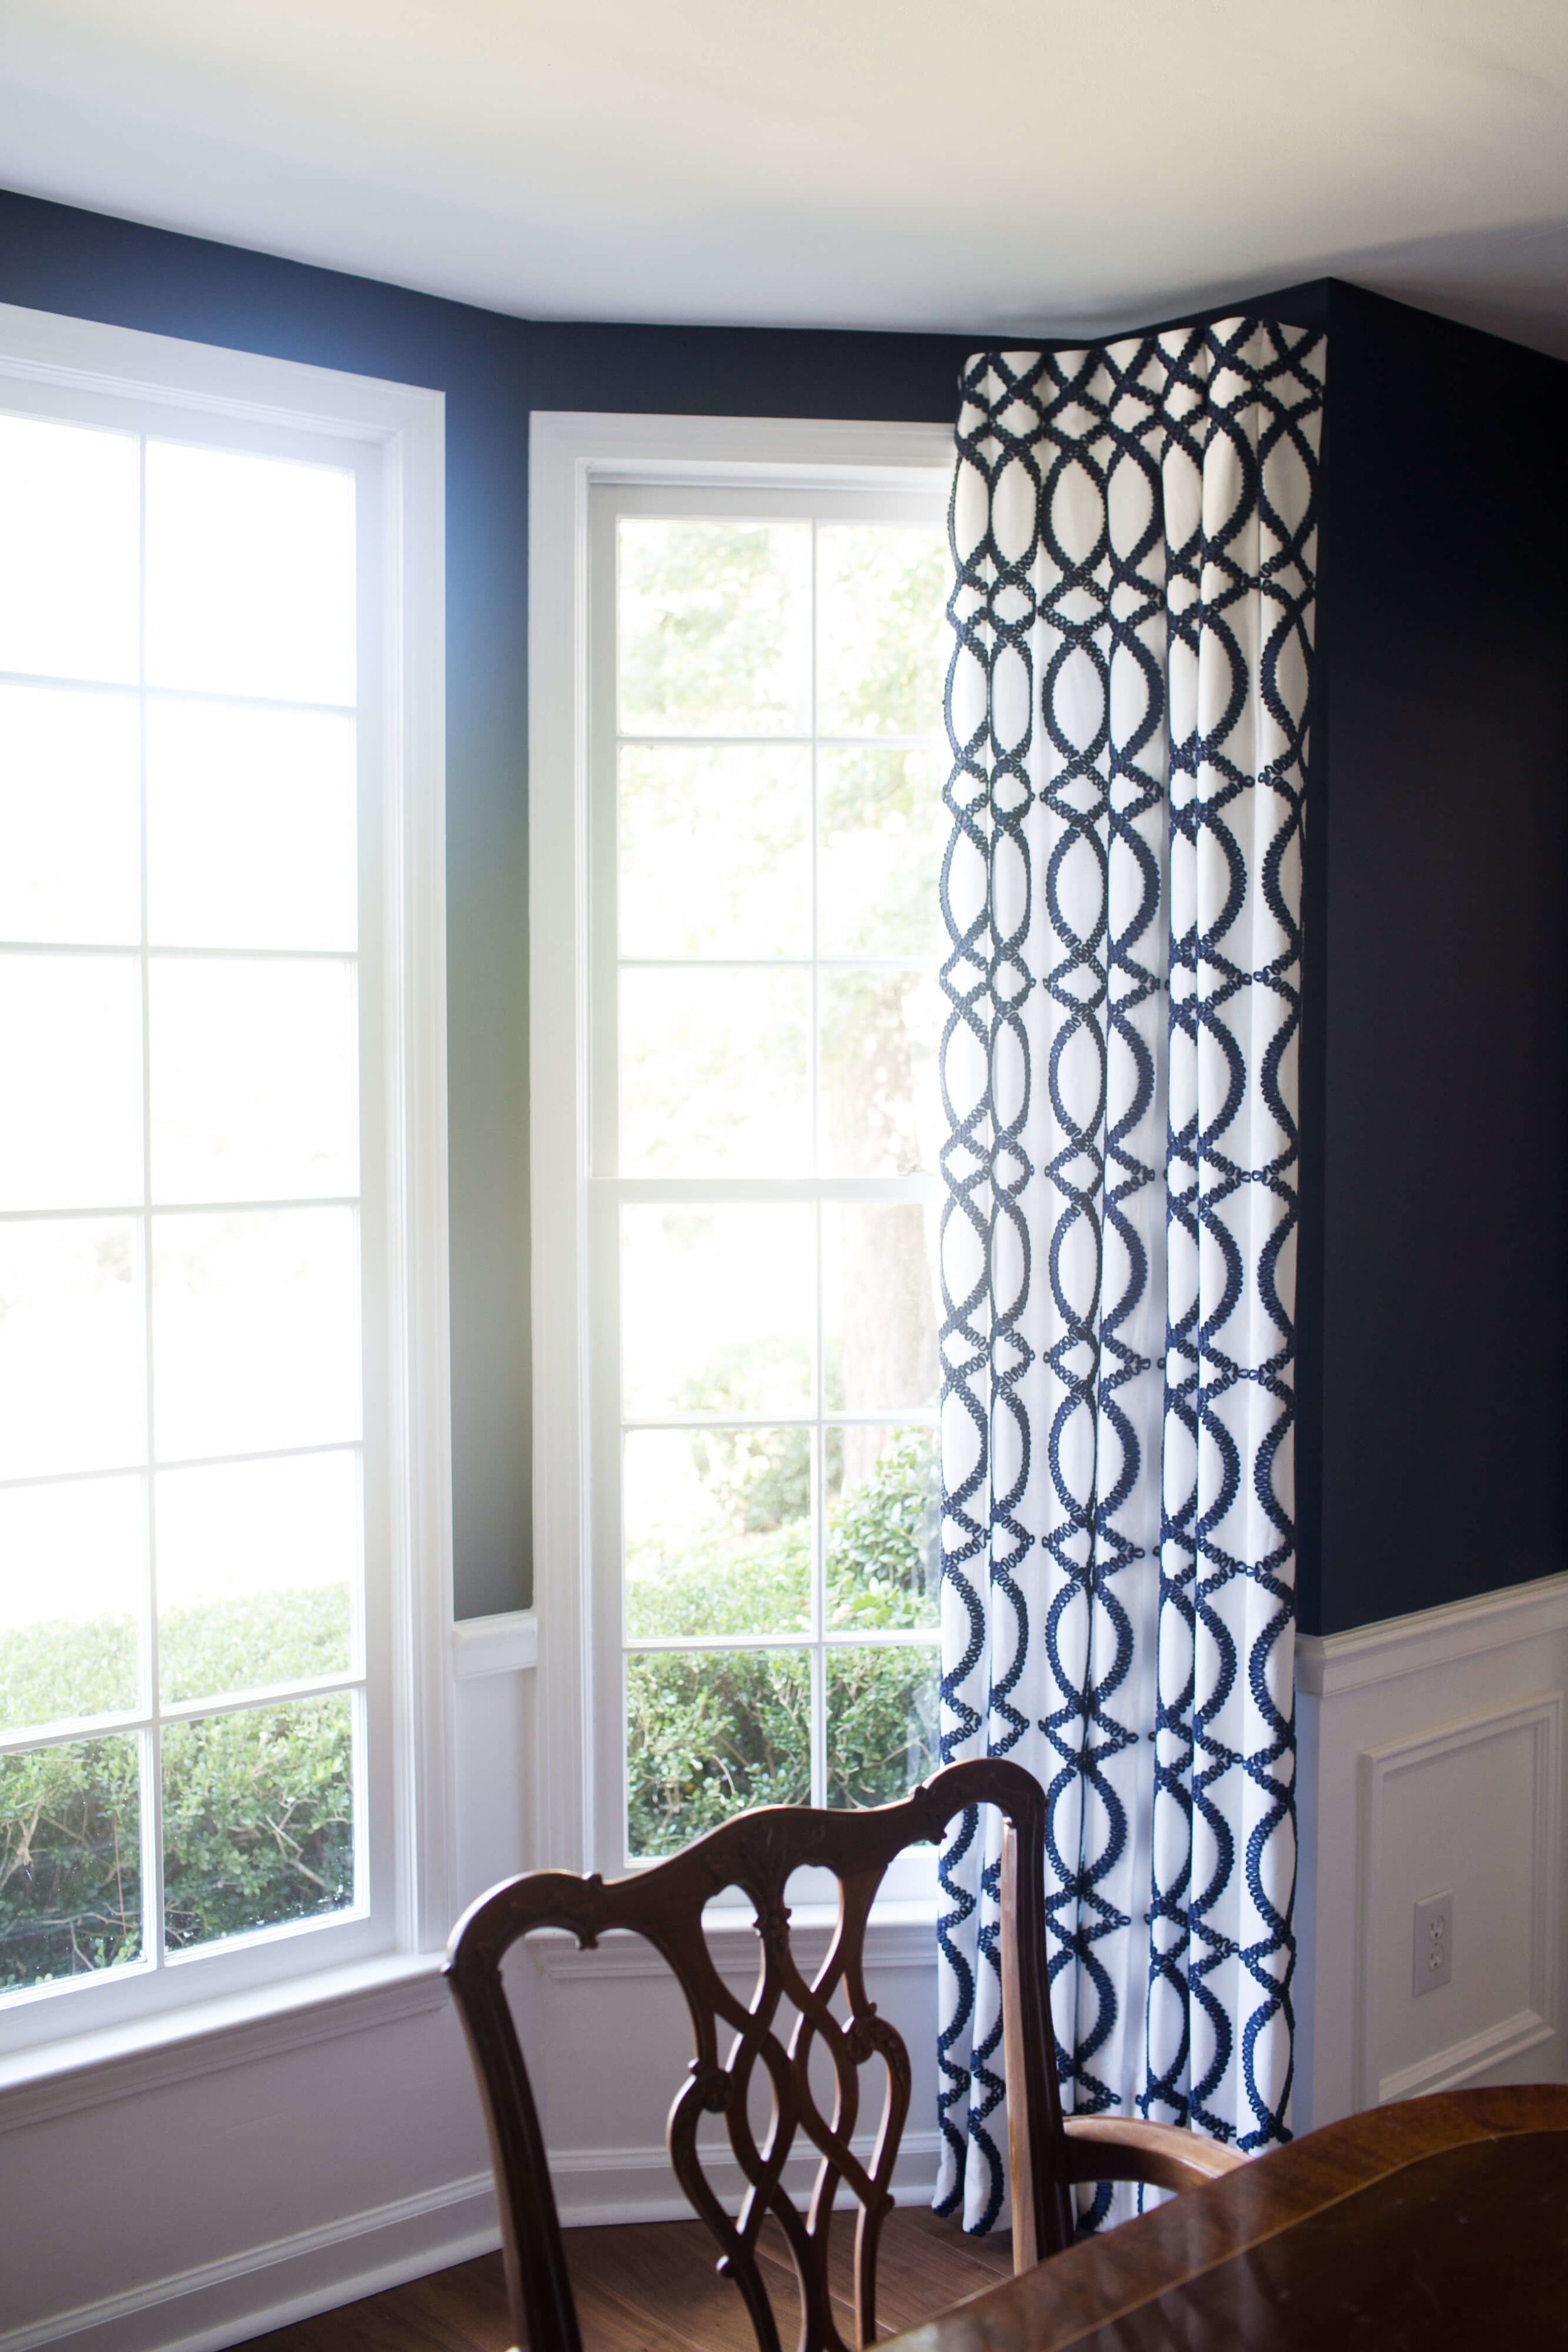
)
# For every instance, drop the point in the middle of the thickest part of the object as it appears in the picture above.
(1135, 539)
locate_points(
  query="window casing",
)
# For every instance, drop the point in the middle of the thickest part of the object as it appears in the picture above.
(287, 1447)
(790, 1192)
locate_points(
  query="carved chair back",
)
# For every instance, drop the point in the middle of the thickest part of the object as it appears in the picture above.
(757, 1854)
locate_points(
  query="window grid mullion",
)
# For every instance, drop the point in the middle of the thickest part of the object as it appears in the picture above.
(177, 954)
(188, 1462)
(152, 1761)
(172, 693)
(151, 1718)
(179, 1208)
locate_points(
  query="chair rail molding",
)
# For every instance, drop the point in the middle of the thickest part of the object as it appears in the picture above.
(1329, 1663)
(503, 1645)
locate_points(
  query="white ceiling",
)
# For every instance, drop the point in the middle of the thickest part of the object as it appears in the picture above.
(1015, 165)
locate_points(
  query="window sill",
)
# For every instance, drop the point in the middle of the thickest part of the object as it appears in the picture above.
(119, 2062)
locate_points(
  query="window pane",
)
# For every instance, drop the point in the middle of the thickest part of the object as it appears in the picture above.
(881, 635)
(879, 1305)
(716, 1310)
(251, 827)
(709, 1735)
(70, 1081)
(258, 1562)
(715, 628)
(880, 1107)
(68, 550)
(71, 1581)
(255, 1080)
(70, 1860)
(883, 1494)
(255, 1330)
(713, 1073)
(70, 855)
(715, 853)
(250, 574)
(72, 1354)
(717, 1528)
(882, 830)
(881, 1724)
(257, 1819)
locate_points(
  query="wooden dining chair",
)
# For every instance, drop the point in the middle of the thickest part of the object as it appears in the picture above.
(756, 1853)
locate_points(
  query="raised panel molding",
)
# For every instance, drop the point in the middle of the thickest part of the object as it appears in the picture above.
(1520, 2027)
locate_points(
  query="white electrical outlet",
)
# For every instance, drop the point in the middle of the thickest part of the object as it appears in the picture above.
(1431, 1956)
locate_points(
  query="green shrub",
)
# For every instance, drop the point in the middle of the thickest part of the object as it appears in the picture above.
(70, 1860)
(256, 1819)
(257, 1805)
(711, 1733)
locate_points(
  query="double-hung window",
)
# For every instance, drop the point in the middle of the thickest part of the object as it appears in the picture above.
(217, 832)
(761, 663)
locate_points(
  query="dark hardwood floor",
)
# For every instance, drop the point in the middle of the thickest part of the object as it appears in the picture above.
(651, 2288)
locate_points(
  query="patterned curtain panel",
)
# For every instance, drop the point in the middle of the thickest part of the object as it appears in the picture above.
(1135, 538)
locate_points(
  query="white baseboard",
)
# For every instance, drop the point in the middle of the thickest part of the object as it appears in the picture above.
(596, 2186)
(263, 2287)
(249, 2293)
(1461, 2062)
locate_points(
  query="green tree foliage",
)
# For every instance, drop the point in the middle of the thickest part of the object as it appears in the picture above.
(881, 1724)
(881, 1541)
(712, 633)
(885, 645)
(256, 1804)
(256, 1819)
(711, 1733)
(71, 1867)
(64, 1671)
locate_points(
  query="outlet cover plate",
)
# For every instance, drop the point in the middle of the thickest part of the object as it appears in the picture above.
(1432, 1950)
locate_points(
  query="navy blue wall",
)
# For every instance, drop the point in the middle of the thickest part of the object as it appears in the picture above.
(1434, 1370)
(1434, 1259)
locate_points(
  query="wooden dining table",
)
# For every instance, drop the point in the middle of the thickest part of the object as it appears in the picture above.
(1440, 2223)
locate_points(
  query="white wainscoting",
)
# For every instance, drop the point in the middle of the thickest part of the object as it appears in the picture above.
(1431, 1760)
(186, 2194)
(263, 2159)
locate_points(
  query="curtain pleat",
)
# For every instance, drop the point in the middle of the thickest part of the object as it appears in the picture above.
(1134, 534)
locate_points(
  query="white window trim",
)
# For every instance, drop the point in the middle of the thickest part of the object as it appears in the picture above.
(407, 426)
(569, 452)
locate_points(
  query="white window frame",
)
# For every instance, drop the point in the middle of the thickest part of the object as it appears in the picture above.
(88, 371)
(571, 453)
